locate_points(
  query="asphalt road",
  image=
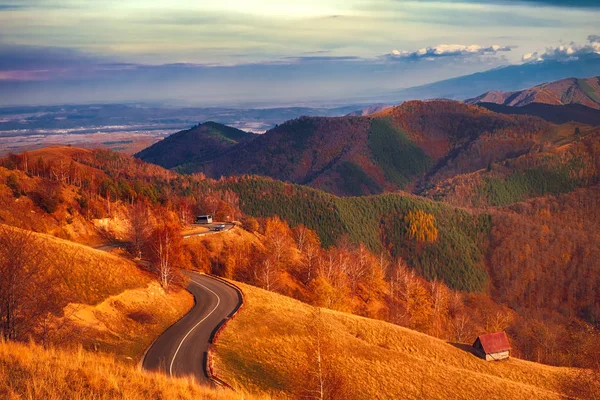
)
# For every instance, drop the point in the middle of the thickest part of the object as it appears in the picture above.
(211, 230)
(182, 349)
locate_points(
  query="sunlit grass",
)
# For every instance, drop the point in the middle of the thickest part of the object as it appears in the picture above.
(265, 349)
(31, 372)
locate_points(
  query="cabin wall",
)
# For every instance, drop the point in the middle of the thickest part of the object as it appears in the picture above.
(497, 356)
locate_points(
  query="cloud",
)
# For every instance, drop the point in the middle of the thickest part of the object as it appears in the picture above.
(447, 50)
(572, 51)
(549, 3)
(13, 57)
(594, 38)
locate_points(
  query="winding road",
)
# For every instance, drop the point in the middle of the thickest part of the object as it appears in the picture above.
(182, 349)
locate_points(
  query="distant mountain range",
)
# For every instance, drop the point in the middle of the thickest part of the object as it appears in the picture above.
(551, 113)
(567, 100)
(509, 78)
(566, 91)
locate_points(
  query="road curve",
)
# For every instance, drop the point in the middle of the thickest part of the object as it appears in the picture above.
(182, 349)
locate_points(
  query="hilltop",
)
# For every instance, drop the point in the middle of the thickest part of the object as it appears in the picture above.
(202, 142)
(271, 348)
(585, 92)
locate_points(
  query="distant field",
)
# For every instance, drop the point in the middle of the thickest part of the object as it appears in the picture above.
(270, 347)
(123, 142)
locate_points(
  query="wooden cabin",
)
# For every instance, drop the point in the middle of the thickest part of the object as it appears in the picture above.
(492, 346)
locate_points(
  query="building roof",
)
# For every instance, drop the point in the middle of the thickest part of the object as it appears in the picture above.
(494, 342)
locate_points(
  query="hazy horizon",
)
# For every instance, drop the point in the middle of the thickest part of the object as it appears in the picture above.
(264, 52)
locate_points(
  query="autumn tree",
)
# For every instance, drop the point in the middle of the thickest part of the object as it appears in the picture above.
(166, 246)
(420, 226)
(185, 210)
(410, 300)
(25, 283)
(309, 246)
(278, 240)
(140, 227)
(47, 196)
(250, 224)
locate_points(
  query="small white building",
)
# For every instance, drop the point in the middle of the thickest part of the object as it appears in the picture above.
(204, 219)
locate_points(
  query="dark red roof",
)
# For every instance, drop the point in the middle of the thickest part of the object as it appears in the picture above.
(494, 342)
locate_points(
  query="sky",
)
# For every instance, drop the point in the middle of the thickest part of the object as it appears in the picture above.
(230, 52)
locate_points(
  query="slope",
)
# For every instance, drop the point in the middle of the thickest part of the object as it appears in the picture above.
(88, 297)
(378, 222)
(566, 158)
(33, 372)
(567, 91)
(202, 142)
(462, 138)
(274, 344)
(390, 150)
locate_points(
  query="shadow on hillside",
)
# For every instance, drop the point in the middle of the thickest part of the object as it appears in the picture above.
(464, 347)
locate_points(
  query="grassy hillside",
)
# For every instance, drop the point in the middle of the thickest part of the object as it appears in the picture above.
(271, 345)
(32, 372)
(97, 299)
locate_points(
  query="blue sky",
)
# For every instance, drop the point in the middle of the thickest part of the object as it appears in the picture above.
(294, 51)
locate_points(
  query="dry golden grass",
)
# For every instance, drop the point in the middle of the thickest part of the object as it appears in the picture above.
(106, 302)
(126, 324)
(87, 275)
(30, 372)
(264, 350)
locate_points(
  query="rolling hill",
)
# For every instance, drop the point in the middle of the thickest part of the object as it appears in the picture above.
(363, 358)
(585, 92)
(200, 143)
(474, 251)
(401, 147)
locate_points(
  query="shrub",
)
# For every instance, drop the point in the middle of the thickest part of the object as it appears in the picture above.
(250, 224)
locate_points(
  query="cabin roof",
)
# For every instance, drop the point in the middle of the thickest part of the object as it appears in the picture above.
(494, 342)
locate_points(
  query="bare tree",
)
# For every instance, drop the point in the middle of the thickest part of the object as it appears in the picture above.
(140, 228)
(166, 251)
(25, 284)
(268, 276)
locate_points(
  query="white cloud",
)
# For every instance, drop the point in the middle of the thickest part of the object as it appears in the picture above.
(448, 50)
(572, 51)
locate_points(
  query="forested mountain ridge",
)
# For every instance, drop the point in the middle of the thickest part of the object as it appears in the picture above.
(407, 147)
